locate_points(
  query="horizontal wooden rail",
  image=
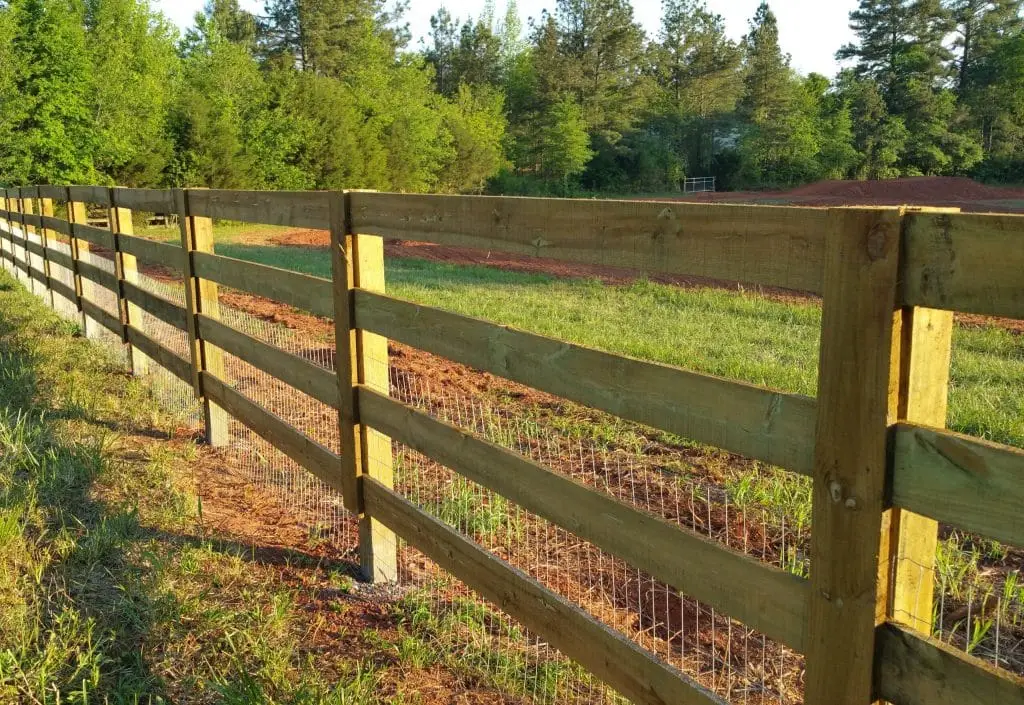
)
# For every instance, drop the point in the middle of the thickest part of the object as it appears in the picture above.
(307, 377)
(160, 253)
(770, 246)
(299, 290)
(965, 262)
(759, 423)
(298, 209)
(98, 195)
(101, 316)
(97, 236)
(762, 597)
(60, 258)
(320, 461)
(612, 657)
(167, 311)
(35, 248)
(32, 219)
(98, 275)
(960, 480)
(145, 200)
(170, 361)
(911, 669)
(68, 292)
(56, 193)
(57, 225)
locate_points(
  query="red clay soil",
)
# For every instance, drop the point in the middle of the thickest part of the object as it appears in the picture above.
(934, 191)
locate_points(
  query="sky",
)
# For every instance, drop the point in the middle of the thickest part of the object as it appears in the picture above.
(810, 30)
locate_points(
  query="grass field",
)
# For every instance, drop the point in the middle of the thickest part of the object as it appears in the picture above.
(116, 589)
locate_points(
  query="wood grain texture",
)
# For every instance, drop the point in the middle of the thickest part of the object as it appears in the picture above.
(302, 291)
(772, 426)
(274, 430)
(762, 597)
(916, 670)
(145, 200)
(764, 245)
(157, 306)
(634, 672)
(152, 252)
(170, 361)
(298, 209)
(967, 262)
(849, 546)
(960, 480)
(309, 378)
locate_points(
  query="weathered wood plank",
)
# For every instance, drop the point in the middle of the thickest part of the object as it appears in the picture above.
(291, 369)
(58, 225)
(60, 258)
(760, 423)
(98, 195)
(146, 200)
(97, 236)
(63, 289)
(170, 361)
(97, 275)
(968, 262)
(960, 480)
(850, 549)
(308, 293)
(101, 316)
(55, 193)
(762, 597)
(32, 219)
(915, 670)
(157, 306)
(299, 447)
(612, 657)
(153, 252)
(299, 209)
(765, 245)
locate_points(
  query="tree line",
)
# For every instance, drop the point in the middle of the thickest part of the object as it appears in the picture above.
(327, 94)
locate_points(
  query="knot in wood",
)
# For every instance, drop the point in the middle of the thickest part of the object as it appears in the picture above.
(878, 244)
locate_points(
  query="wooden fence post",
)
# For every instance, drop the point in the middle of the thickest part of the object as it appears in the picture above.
(201, 297)
(361, 358)
(127, 270)
(27, 208)
(5, 242)
(46, 211)
(925, 358)
(859, 360)
(20, 223)
(77, 214)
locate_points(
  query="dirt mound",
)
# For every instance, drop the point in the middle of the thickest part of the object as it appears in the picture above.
(918, 189)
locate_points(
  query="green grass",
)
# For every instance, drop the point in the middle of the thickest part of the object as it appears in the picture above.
(112, 591)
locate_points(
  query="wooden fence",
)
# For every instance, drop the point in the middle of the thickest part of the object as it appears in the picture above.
(884, 469)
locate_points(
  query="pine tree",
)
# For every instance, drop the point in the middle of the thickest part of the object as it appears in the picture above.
(563, 144)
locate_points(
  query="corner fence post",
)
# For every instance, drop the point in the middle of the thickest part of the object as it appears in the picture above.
(857, 401)
(77, 215)
(361, 359)
(127, 270)
(46, 211)
(925, 358)
(201, 298)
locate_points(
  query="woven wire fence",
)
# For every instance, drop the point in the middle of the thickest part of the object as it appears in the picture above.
(977, 607)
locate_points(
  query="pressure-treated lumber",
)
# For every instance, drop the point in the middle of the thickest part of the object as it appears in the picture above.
(753, 244)
(96, 236)
(612, 657)
(201, 297)
(752, 421)
(274, 430)
(97, 313)
(79, 249)
(157, 306)
(98, 195)
(302, 291)
(299, 209)
(960, 480)
(849, 547)
(361, 359)
(307, 377)
(161, 253)
(97, 275)
(26, 203)
(54, 193)
(57, 257)
(145, 200)
(126, 268)
(46, 210)
(970, 263)
(57, 225)
(916, 670)
(762, 597)
(170, 361)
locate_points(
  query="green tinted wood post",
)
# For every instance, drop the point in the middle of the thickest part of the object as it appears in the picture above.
(201, 297)
(361, 359)
(25, 205)
(127, 270)
(77, 214)
(46, 211)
